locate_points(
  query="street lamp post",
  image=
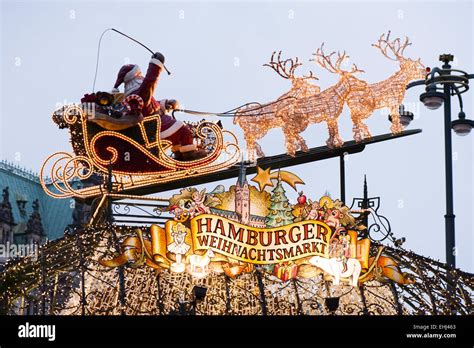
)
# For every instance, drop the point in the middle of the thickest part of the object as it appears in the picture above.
(440, 85)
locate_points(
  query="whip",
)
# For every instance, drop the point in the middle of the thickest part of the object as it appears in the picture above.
(128, 37)
(229, 113)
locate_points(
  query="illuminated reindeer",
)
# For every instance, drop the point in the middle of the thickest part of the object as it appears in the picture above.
(327, 105)
(256, 119)
(388, 93)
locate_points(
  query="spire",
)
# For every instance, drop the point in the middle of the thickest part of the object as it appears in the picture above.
(365, 203)
(242, 180)
(366, 194)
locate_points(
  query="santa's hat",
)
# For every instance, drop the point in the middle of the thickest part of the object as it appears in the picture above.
(126, 73)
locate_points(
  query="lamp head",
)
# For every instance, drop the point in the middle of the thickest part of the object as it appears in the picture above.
(462, 126)
(432, 99)
(405, 116)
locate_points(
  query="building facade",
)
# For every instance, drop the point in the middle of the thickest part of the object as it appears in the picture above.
(27, 214)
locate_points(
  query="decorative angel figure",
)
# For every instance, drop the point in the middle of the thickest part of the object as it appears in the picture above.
(199, 197)
(179, 247)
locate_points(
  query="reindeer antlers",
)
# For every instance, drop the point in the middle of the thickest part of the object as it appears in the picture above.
(286, 68)
(395, 46)
(309, 77)
(281, 66)
(325, 60)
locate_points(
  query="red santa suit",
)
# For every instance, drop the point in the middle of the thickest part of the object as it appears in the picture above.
(171, 129)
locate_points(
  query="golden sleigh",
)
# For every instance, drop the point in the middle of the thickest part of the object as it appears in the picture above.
(135, 156)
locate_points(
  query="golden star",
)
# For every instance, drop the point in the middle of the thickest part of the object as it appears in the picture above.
(263, 178)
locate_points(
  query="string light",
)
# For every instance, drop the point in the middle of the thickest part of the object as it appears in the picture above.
(240, 284)
(23, 279)
(257, 120)
(302, 105)
(305, 104)
(388, 93)
(65, 167)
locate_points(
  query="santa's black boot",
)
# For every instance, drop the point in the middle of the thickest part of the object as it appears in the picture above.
(193, 155)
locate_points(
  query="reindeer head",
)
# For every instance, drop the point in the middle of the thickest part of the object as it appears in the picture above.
(326, 61)
(394, 50)
(286, 69)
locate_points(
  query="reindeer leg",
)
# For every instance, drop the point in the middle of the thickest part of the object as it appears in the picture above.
(335, 139)
(251, 144)
(253, 148)
(366, 131)
(289, 142)
(302, 143)
(396, 125)
(330, 141)
(360, 131)
(258, 148)
(357, 133)
(356, 118)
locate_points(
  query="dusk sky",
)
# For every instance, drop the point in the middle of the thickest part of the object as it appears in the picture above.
(215, 51)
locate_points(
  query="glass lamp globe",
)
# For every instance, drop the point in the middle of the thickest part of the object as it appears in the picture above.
(432, 99)
(461, 126)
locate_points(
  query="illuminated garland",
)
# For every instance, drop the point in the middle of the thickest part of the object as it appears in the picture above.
(387, 93)
(64, 168)
(305, 103)
(56, 275)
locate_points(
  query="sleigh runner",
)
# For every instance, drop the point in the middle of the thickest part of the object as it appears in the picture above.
(134, 152)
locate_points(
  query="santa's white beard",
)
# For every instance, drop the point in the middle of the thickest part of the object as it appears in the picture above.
(132, 85)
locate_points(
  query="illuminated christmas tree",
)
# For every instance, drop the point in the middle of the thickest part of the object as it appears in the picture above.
(279, 212)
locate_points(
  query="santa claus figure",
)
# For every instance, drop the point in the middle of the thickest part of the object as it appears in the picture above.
(171, 129)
